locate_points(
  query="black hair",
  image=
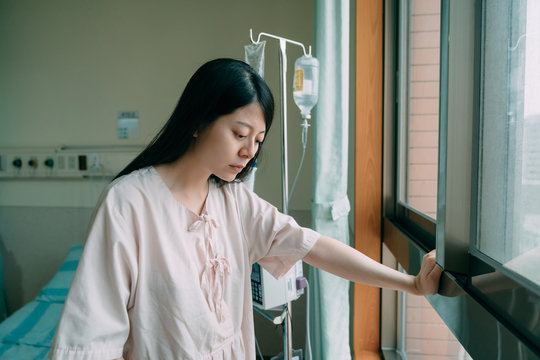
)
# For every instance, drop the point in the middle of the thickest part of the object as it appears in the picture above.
(219, 87)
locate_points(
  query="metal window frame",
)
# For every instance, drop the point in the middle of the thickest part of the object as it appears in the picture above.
(484, 327)
(516, 289)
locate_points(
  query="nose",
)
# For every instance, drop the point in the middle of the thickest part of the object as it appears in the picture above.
(249, 149)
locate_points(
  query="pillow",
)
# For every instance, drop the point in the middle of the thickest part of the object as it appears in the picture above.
(57, 289)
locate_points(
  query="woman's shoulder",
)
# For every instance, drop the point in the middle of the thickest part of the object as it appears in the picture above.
(130, 187)
(242, 194)
(134, 180)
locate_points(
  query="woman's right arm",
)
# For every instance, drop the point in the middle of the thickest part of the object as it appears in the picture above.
(95, 317)
(339, 259)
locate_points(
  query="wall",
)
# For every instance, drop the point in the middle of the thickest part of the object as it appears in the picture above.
(68, 68)
(423, 105)
(427, 337)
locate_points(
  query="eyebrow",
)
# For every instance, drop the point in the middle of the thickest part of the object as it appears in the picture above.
(249, 126)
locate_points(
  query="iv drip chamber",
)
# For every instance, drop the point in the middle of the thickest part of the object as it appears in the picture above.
(306, 84)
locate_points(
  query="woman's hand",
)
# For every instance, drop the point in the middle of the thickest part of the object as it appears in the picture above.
(427, 280)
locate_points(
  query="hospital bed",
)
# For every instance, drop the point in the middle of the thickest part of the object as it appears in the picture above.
(28, 332)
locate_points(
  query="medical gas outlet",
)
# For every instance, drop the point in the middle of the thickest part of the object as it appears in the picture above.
(43, 163)
(33, 163)
(17, 163)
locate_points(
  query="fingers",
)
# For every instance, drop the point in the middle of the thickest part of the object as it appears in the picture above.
(428, 263)
(437, 271)
(435, 277)
(430, 273)
(431, 256)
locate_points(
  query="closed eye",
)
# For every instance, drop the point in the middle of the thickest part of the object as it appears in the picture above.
(240, 136)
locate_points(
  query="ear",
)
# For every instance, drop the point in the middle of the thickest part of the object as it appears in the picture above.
(196, 134)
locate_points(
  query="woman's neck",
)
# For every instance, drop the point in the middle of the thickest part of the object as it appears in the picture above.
(186, 182)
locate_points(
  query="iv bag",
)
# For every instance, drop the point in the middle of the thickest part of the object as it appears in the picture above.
(254, 55)
(306, 84)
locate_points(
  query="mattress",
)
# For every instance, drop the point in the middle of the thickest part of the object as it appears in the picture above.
(28, 332)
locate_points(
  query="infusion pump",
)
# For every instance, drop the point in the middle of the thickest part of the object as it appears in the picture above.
(269, 292)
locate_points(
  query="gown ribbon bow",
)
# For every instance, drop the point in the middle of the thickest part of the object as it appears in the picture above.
(216, 268)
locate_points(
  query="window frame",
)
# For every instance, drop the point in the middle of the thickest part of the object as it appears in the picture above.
(409, 234)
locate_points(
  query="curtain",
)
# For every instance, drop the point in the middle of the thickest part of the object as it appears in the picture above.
(329, 295)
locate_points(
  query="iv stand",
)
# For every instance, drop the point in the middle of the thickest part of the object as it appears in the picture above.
(287, 327)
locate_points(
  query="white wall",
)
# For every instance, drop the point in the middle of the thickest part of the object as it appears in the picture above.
(68, 67)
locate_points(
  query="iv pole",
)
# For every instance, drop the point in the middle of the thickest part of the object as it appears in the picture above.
(283, 84)
(287, 327)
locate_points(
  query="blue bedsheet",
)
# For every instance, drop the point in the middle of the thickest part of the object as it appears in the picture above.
(28, 333)
(3, 300)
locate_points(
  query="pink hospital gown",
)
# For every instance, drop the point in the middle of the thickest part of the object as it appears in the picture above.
(157, 281)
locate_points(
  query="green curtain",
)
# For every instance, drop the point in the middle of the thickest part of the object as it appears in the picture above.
(329, 295)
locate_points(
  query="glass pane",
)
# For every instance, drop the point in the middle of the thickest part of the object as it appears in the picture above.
(425, 336)
(509, 171)
(420, 105)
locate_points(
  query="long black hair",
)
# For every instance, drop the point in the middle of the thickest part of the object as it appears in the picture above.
(217, 88)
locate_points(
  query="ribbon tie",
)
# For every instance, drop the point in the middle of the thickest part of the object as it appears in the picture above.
(215, 270)
(214, 275)
(204, 219)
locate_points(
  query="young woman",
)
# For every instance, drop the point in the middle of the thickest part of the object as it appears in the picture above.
(165, 272)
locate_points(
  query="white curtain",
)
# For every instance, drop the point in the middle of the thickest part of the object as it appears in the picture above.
(329, 295)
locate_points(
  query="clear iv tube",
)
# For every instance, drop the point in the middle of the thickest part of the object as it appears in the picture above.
(305, 125)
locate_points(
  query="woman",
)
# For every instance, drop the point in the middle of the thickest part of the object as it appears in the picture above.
(165, 272)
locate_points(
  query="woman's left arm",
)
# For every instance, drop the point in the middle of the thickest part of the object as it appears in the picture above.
(339, 259)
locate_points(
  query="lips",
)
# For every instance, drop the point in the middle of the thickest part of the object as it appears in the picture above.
(237, 168)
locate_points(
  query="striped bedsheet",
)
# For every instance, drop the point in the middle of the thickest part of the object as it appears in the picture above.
(28, 332)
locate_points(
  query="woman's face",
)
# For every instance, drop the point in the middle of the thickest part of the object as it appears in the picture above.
(230, 142)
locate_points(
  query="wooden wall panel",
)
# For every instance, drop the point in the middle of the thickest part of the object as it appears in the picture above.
(368, 169)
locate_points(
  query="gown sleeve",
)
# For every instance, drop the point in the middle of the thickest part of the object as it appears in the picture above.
(275, 240)
(94, 323)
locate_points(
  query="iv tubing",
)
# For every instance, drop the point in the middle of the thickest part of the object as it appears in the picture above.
(283, 103)
(258, 349)
(308, 336)
(305, 126)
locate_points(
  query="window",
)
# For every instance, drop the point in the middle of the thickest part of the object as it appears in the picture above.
(484, 215)
(509, 146)
(506, 240)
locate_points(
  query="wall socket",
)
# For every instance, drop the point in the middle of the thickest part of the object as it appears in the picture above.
(93, 163)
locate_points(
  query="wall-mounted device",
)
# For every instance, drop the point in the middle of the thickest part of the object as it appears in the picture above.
(64, 162)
